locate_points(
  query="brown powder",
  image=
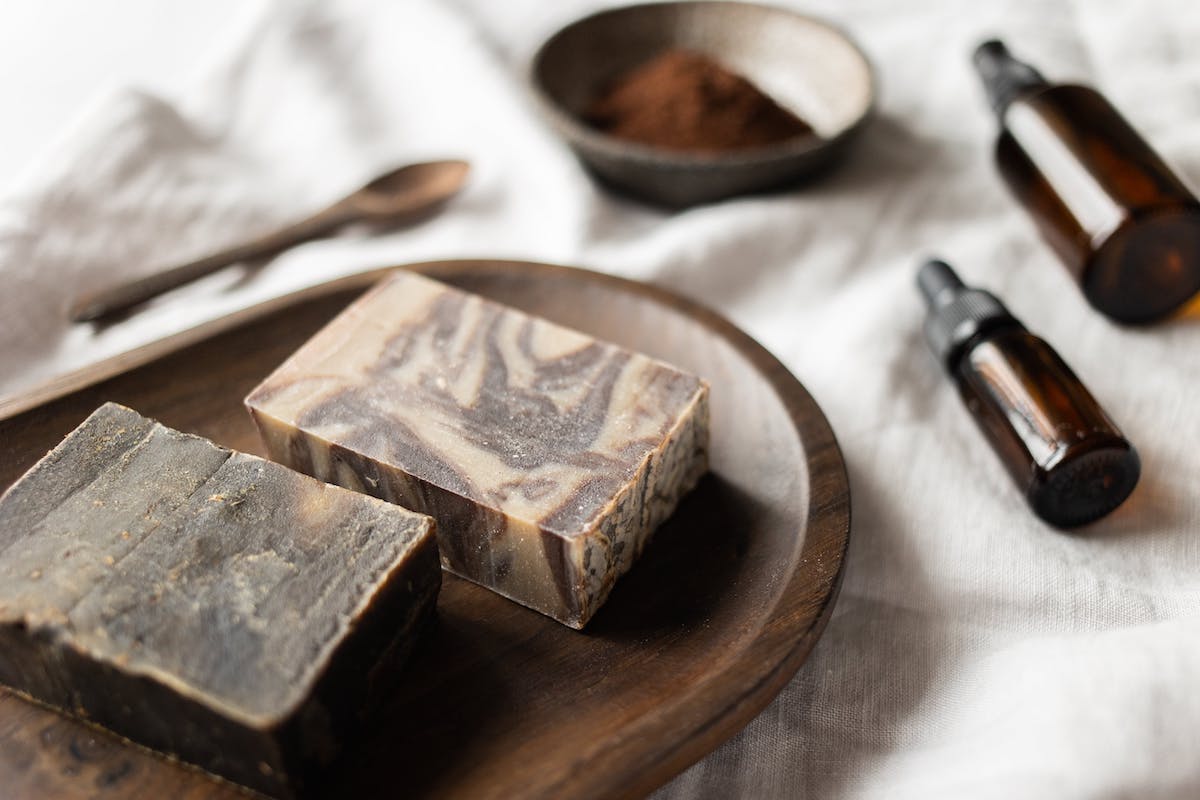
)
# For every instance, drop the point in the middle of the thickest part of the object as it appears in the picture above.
(683, 100)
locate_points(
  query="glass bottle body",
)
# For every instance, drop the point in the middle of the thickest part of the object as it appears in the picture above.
(1064, 452)
(1120, 219)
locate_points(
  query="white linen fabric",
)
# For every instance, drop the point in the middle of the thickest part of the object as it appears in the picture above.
(974, 652)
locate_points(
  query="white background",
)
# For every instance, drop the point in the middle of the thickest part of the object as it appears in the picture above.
(56, 56)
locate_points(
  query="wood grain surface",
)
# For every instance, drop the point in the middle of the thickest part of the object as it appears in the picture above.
(500, 701)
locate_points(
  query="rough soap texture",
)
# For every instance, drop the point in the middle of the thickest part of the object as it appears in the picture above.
(203, 602)
(547, 457)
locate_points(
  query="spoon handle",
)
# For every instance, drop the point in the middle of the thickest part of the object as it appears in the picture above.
(119, 298)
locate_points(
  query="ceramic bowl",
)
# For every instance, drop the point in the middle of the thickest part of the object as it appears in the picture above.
(805, 64)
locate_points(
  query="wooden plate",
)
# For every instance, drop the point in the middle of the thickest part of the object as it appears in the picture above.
(502, 702)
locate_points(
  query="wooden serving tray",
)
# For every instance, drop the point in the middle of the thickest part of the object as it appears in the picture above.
(501, 702)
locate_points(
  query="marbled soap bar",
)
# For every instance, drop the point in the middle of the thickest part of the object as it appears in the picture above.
(547, 457)
(204, 602)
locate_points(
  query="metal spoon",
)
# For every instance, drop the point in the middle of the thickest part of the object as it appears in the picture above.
(389, 198)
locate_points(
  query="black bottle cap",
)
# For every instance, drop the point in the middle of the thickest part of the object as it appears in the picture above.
(957, 314)
(1004, 77)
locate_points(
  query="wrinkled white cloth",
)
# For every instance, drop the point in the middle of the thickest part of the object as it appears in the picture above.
(974, 652)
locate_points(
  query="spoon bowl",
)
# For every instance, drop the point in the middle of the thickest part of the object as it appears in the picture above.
(409, 188)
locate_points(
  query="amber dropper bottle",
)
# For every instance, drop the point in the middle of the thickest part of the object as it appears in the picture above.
(1062, 450)
(1125, 225)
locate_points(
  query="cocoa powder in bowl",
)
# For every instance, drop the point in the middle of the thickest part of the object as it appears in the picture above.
(683, 100)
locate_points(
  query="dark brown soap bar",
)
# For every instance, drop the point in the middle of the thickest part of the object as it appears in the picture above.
(204, 602)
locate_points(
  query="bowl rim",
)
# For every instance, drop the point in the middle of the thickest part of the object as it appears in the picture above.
(575, 130)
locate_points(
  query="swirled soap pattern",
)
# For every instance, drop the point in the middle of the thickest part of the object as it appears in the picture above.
(547, 457)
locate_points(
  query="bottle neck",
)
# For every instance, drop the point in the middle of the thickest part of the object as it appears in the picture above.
(959, 317)
(1004, 77)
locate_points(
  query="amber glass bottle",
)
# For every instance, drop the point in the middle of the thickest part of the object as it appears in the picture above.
(1063, 451)
(1125, 225)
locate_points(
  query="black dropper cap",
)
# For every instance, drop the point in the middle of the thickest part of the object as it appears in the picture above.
(1004, 77)
(958, 315)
